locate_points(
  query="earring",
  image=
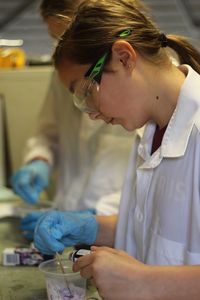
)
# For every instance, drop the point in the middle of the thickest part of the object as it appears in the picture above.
(129, 66)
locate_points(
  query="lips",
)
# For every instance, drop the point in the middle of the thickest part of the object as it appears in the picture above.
(112, 121)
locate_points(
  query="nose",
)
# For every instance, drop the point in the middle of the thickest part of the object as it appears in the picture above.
(94, 115)
(98, 116)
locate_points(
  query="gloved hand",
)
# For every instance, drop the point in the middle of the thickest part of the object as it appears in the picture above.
(28, 224)
(30, 180)
(56, 230)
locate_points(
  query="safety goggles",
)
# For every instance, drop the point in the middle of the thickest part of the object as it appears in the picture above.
(86, 90)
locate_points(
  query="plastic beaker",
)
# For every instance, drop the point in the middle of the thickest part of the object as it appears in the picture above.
(63, 286)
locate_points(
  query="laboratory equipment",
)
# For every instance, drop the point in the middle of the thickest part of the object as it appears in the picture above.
(63, 286)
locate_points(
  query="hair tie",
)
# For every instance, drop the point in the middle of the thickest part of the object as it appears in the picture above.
(163, 40)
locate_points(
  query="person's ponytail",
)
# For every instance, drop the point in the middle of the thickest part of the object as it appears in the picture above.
(187, 53)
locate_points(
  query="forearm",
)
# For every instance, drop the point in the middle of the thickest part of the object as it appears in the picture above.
(106, 230)
(38, 147)
(172, 283)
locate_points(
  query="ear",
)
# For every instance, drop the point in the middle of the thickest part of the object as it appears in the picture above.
(123, 53)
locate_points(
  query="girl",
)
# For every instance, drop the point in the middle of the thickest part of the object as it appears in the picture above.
(116, 63)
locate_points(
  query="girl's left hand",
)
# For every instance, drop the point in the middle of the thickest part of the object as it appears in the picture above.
(116, 275)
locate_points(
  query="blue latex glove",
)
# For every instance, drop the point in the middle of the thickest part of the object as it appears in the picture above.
(28, 224)
(56, 230)
(30, 180)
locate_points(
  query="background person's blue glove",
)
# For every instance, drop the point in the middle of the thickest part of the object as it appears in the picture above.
(30, 180)
(56, 230)
(28, 224)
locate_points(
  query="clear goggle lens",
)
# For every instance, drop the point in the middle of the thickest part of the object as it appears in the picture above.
(86, 95)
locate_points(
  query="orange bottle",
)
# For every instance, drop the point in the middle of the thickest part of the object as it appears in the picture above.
(12, 58)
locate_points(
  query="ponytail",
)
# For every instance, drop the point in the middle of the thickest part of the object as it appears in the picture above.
(187, 54)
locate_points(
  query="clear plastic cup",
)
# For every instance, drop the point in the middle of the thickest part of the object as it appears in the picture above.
(63, 286)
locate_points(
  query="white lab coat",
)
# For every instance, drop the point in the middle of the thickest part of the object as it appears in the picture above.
(159, 220)
(91, 157)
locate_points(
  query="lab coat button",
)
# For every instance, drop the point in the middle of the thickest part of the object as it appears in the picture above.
(139, 216)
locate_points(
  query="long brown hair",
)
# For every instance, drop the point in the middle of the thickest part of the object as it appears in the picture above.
(97, 24)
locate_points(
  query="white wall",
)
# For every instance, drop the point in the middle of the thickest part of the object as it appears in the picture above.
(24, 91)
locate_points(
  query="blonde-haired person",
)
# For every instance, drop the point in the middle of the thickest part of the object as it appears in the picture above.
(115, 61)
(89, 168)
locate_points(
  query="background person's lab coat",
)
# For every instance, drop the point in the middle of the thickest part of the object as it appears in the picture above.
(91, 157)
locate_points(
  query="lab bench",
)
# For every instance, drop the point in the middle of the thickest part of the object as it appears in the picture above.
(22, 282)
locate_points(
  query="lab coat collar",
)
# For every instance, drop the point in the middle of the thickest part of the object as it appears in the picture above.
(178, 131)
(177, 134)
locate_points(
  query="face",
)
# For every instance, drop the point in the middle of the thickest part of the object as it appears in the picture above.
(116, 99)
(56, 26)
(121, 99)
